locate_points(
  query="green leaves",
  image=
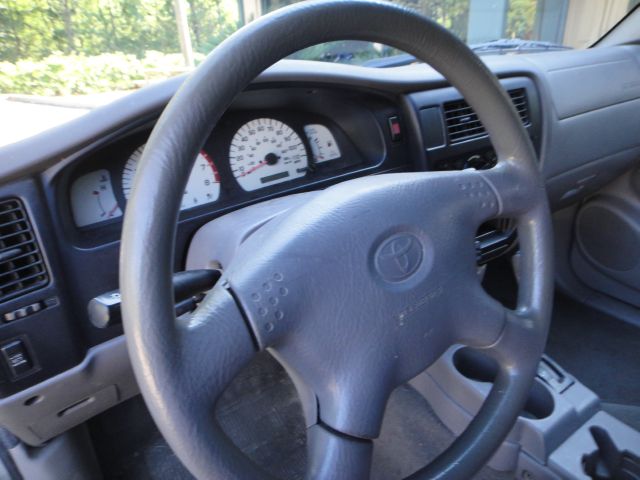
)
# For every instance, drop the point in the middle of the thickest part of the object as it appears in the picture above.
(66, 47)
(78, 74)
(35, 29)
(521, 19)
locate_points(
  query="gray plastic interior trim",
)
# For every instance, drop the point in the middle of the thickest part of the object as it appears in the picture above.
(582, 139)
(570, 187)
(615, 268)
(596, 136)
(229, 231)
(103, 379)
(456, 399)
(529, 469)
(570, 284)
(591, 80)
(68, 456)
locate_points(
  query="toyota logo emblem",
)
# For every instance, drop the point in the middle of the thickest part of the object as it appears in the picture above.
(398, 257)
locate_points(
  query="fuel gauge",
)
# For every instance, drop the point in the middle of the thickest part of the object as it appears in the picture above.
(323, 144)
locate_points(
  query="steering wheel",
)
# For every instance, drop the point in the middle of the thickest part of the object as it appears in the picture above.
(356, 291)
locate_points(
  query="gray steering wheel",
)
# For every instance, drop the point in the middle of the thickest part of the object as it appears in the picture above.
(358, 290)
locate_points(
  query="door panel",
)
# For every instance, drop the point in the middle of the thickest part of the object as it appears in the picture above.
(606, 248)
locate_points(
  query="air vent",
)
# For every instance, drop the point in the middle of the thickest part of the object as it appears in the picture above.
(22, 267)
(519, 99)
(463, 123)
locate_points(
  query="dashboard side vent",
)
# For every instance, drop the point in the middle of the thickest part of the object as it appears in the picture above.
(463, 123)
(22, 266)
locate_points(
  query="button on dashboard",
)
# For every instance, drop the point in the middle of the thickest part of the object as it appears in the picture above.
(17, 358)
(394, 128)
(23, 312)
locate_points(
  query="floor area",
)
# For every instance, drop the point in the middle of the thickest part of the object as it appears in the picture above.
(261, 413)
(600, 351)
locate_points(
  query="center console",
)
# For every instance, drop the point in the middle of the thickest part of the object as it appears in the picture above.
(553, 437)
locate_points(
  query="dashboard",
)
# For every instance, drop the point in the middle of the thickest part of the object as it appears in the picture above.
(271, 142)
(301, 126)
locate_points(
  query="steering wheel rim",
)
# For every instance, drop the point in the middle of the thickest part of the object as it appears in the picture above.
(183, 366)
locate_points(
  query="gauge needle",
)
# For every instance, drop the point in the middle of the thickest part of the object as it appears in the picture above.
(253, 169)
(113, 210)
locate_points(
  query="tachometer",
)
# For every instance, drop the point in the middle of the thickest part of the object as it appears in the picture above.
(265, 152)
(202, 187)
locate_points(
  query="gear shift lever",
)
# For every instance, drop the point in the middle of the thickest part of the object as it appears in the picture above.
(607, 462)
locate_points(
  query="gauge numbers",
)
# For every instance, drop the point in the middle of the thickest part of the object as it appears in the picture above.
(202, 187)
(92, 199)
(265, 152)
(323, 145)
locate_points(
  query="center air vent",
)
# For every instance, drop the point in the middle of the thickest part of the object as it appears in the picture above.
(463, 123)
(22, 267)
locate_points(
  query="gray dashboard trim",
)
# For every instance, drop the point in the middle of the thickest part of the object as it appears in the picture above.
(583, 134)
(591, 80)
(102, 380)
(585, 138)
(554, 74)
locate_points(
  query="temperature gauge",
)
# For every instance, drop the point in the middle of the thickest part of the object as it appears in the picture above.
(92, 199)
(323, 145)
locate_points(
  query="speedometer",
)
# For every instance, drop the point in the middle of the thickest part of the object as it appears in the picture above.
(265, 152)
(202, 187)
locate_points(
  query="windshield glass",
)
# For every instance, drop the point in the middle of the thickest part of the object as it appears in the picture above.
(59, 58)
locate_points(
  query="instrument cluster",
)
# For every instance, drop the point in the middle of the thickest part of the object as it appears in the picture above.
(244, 158)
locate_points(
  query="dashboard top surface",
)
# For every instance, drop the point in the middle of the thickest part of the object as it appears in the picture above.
(51, 147)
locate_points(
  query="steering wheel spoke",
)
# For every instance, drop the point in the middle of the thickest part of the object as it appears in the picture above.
(478, 319)
(214, 343)
(514, 349)
(335, 456)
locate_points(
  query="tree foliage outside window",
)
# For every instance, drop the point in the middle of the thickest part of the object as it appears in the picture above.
(35, 29)
(521, 19)
(451, 14)
(63, 47)
(82, 46)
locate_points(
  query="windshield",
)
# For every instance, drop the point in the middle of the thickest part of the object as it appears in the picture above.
(72, 55)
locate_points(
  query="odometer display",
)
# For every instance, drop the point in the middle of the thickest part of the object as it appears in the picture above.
(266, 152)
